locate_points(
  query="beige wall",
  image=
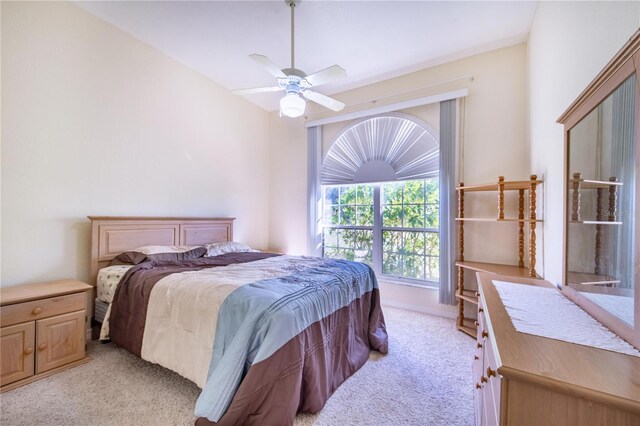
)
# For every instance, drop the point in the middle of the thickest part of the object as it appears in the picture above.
(570, 42)
(495, 143)
(95, 122)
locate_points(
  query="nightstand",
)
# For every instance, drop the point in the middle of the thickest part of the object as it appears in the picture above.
(42, 330)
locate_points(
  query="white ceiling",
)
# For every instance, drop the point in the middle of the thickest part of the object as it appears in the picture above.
(372, 40)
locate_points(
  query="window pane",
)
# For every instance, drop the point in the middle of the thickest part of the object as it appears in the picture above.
(392, 241)
(432, 212)
(392, 193)
(363, 256)
(364, 240)
(342, 254)
(347, 238)
(348, 194)
(391, 264)
(413, 216)
(432, 241)
(414, 192)
(331, 215)
(347, 215)
(365, 194)
(432, 191)
(330, 252)
(414, 243)
(331, 195)
(347, 254)
(433, 268)
(413, 267)
(365, 215)
(330, 237)
(392, 215)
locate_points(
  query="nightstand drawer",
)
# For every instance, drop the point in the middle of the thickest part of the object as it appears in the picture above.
(44, 308)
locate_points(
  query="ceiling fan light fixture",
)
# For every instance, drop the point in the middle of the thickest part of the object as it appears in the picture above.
(292, 105)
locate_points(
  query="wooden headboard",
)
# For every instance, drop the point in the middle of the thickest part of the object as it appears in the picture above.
(111, 235)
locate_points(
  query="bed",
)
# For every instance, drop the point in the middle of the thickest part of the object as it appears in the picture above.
(264, 335)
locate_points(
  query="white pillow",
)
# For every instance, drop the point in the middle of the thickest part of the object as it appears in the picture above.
(216, 249)
(165, 249)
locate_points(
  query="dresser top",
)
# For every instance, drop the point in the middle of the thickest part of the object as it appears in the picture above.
(28, 292)
(598, 374)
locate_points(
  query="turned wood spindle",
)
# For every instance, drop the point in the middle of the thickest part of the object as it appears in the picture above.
(532, 225)
(500, 197)
(575, 213)
(521, 228)
(599, 217)
(613, 194)
(461, 254)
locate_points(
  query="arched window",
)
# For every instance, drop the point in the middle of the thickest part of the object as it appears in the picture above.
(385, 148)
(380, 187)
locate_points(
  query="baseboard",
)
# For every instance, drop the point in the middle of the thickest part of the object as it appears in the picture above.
(439, 312)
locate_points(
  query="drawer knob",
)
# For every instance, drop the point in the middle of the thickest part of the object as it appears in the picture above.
(42, 346)
(491, 372)
(478, 386)
(36, 311)
(479, 345)
(476, 357)
(485, 333)
(483, 379)
(480, 310)
(28, 351)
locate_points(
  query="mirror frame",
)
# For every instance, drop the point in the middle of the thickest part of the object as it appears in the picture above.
(622, 66)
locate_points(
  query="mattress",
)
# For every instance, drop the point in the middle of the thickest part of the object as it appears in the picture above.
(108, 280)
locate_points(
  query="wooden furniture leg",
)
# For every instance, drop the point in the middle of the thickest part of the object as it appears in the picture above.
(532, 226)
(613, 194)
(521, 228)
(599, 217)
(500, 197)
(575, 213)
(461, 256)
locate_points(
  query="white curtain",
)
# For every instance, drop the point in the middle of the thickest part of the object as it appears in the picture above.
(447, 168)
(314, 191)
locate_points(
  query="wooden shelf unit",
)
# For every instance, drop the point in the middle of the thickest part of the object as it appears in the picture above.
(522, 270)
(606, 193)
(469, 326)
(496, 268)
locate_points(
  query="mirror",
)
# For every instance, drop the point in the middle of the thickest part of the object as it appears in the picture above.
(601, 204)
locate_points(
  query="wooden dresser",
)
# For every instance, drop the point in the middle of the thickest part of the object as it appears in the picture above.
(42, 329)
(522, 379)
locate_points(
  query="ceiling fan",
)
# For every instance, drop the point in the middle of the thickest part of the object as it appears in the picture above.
(295, 82)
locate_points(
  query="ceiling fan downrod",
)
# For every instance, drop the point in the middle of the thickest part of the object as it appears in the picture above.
(292, 5)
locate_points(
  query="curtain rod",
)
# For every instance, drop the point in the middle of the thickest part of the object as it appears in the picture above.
(425, 100)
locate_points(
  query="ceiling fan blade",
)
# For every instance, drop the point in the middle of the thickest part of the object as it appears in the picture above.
(257, 90)
(323, 100)
(334, 72)
(268, 65)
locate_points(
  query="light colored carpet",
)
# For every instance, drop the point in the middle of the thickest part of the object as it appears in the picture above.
(424, 380)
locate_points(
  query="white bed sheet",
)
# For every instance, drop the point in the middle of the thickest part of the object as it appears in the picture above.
(108, 279)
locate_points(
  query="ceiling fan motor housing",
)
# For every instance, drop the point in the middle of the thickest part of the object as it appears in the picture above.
(295, 80)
